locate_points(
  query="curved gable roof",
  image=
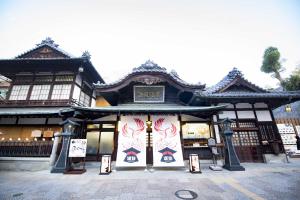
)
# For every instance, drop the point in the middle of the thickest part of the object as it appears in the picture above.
(47, 44)
(234, 77)
(149, 73)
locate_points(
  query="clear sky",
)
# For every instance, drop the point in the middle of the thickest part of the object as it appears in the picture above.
(201, 40)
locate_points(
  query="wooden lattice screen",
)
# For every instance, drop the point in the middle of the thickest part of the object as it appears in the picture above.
(293, 121)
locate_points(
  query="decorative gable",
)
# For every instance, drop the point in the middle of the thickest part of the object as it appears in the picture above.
(234, 82)
(238, 88)
(46, 49)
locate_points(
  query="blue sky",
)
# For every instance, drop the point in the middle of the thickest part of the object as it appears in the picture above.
(201, 40)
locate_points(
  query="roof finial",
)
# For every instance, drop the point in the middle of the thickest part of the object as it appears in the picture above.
(48, 41)
(235, 72)
(149, 66)
(174, 73)
(86, 54)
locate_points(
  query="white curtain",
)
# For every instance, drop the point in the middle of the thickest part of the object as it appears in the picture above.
(167, 151)
(132, 141)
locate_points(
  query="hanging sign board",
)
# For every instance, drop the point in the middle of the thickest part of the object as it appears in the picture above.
(132, 141)
(36, 133)
(149, 94)
(194, 163)
(48, 134)
(167, 150)
(105, 167)
(77, 148)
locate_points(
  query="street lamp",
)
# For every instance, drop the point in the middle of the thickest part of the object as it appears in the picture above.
(62, 163)
(232, 162)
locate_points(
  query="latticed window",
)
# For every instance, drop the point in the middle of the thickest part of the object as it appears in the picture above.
(245, 141)
(19, 92)
(40, 92)
(247, 124)
(253, 138)
(84, 99)
(61, 91)
(245, 138)
(235, 139)
(64, 78)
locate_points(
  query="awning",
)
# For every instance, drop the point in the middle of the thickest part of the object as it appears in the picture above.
(30, 111)
(143, 108)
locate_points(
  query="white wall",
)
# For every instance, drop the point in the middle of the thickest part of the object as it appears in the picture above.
(243, 105)
(229, 114)
(260, 105)
(248, 114)
(76, 93)
(263, 115)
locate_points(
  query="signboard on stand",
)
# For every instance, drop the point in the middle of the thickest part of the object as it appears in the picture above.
(194, 163)
(77, 148)
(105, 167)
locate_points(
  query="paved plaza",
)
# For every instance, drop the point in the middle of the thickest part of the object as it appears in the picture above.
(259, 181)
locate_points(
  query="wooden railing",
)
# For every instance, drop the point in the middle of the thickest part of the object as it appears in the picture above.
(26, 149)
(25, 103)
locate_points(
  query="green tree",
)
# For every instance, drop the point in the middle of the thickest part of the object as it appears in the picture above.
(293, 82)
(271, 63)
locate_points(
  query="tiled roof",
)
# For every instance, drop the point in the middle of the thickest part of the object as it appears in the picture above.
(293, 94)
(231, 76)
(29, 111)
(281, 113)
(149, 66)
(47, 42)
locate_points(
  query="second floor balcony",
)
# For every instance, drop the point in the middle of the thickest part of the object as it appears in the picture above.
(39, 103)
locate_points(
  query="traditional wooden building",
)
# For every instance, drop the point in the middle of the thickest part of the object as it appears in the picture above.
(149, 90)
(43, 81)
(150, 116)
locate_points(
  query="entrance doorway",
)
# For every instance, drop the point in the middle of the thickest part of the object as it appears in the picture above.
(247, 146)
(100, 141)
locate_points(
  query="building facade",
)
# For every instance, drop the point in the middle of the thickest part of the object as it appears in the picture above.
(150, 116)
(42, 81)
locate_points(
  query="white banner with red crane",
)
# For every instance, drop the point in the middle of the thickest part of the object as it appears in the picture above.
(167, 151)
(132, 141)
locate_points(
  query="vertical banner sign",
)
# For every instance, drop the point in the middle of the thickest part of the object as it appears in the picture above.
(132, 141)
(167, 150)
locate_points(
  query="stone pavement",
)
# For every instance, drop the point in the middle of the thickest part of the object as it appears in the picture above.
(259, 181)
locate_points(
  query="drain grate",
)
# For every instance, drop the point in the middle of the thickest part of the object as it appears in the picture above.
(185, 194)
(17, 195)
